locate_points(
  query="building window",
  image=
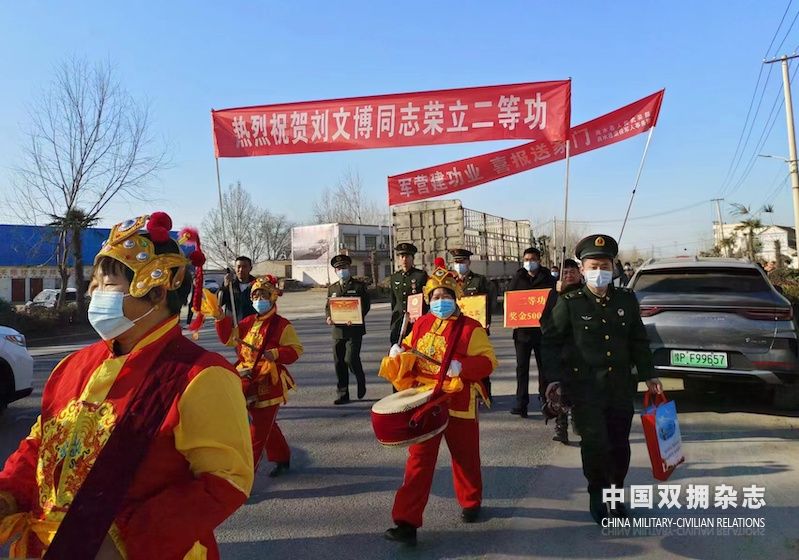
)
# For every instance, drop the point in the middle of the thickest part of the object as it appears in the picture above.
(371, 242)
(387, 271)
(351, 242)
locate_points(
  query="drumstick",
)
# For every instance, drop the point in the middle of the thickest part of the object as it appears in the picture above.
(403, 326)
(430, 359)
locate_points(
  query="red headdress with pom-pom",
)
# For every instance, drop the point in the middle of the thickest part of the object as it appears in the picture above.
(190, 237)
(442, 278)
(127, 245)
(268, 284)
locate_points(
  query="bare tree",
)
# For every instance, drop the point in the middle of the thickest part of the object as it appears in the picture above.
(347, 203)
(249, 230)
(88, 142)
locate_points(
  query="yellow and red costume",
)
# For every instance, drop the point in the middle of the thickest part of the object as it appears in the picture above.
(266, 382)
(192, 473)
(431, 336)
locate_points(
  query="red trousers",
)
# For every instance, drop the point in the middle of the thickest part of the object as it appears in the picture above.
(266, 433)
(463, 440)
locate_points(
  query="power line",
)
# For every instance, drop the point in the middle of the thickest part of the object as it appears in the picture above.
(789, 28)
(764, 136)
(737, 157)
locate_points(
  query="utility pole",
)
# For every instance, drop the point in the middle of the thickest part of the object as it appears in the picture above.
(786, 82)
(722, 247)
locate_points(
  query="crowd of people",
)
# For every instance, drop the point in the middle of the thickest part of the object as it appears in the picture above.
(146, 441)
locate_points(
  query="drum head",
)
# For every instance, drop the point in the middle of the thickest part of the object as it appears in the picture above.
(401, 401)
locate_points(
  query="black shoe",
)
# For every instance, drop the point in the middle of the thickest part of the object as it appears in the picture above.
(280, 468)
(402, 533)
(343, 399)
(620, 511)
(470, 514)
(598, 508)
(561, 429)
(361, 390)
(519, 411)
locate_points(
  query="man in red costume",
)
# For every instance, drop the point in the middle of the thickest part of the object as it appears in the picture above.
(265, 344)
(142, 447)
(473, 360)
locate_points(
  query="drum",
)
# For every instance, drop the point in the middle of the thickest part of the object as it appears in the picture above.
(392, 418)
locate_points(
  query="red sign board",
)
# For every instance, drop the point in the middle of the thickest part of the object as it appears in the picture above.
(529, 111)
(523, 308)
(454, 176)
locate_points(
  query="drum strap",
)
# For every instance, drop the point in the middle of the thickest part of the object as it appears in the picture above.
(439, 395)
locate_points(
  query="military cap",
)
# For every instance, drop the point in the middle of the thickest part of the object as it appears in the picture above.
(532, 251)
(570, 263)
(340, 261)
(460, 254)
(406, 249)
(597, 246)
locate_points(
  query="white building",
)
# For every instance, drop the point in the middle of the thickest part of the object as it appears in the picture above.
(312, 247)
(767, 238)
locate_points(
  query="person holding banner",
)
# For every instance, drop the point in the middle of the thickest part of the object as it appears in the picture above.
(404, 282)
(347, 337)
(241, 283)
(527, 340)
(142, 446)
(265, 344)
(472, 360)
(598, 329)
(474, 284)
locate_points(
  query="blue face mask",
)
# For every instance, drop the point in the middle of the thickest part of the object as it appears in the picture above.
(461, 268)
(343, 274)
(107, 316)
(442, 308)
(531, 266)
(262, 306)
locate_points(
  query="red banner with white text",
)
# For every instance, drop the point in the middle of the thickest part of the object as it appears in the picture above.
(454, 176)
(530, 111)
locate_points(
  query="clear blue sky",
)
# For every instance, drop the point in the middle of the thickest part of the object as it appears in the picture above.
(187, 57)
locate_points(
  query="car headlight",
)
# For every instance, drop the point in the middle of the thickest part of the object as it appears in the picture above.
(17, 339)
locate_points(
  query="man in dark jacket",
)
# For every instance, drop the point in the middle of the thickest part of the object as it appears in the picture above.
(347, 338)
(242, 282)
(570, 280)
(532, 276)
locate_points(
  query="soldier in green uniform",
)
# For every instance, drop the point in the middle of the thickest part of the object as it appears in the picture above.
(406, 281)
(347, 338)
(570, 280)
(473, 284)
(601, 331)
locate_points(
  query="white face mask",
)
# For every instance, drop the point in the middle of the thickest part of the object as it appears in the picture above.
(531, 266)
(107, 316)
(598, 278)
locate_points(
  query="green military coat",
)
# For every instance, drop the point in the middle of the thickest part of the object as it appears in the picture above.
(350, 288)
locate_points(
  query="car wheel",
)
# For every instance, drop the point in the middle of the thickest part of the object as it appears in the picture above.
(786, 397)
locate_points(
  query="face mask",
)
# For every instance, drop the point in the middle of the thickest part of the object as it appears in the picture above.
(555, 274)
(343, 274)
(531, 266)
(442, 308)
(461, 268)
(261, 306)
(598, 278)
(106, 314)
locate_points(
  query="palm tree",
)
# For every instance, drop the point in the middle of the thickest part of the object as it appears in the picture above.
(749, 225)
(72, 224)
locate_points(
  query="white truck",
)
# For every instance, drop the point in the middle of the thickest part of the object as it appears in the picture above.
(435, 227)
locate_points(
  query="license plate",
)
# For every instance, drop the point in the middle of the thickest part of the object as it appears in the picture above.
(695, 358)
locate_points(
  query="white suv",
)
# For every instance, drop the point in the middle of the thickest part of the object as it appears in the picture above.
(16, 367)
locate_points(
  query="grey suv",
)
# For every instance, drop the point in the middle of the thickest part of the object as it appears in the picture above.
(719, 320)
